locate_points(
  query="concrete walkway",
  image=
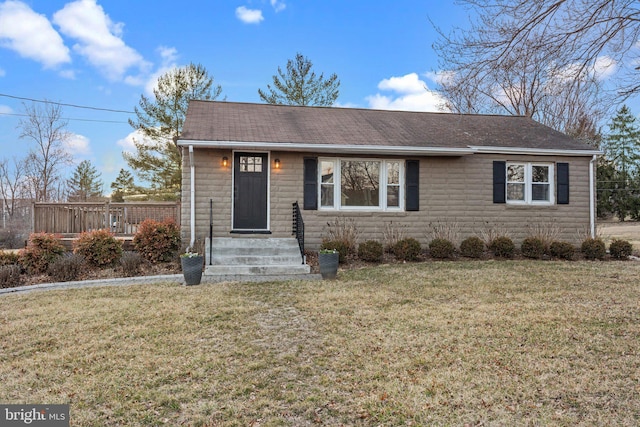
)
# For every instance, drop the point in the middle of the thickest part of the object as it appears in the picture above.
(177, 279)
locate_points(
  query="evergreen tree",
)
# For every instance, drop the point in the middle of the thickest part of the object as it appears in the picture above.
(161, 120)
(85, 184)
(122, 186)
(622, 148)
(300, 86)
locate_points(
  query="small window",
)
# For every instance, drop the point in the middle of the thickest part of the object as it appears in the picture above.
(529, 183)
(393, 184)
(327, 183)
(250, 164)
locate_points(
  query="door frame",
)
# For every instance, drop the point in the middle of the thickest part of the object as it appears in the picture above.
(233, 181)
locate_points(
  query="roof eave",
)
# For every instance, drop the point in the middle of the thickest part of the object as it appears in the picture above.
(534, 151)
(327, 148)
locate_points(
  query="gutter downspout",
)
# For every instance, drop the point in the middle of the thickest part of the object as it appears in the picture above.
(192, 199)
(592, 214)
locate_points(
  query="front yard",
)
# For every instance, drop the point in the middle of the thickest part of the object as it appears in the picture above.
(436, 343)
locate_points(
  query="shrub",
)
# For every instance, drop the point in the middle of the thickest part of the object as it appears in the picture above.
(338, 245)
(502, 247)
(344, 231)
(472, 247)
(8, 258)
(10, 276)
(370, 251)
(130, 263)
(620, 249)
(441, 248)
(533, 247)
(157, 241)
(407, 249)
(42, 249)
(67, 268)
(593, 248)
(562, 250)
(99, 248)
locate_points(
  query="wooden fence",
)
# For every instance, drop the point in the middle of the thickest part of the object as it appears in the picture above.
(121, 218)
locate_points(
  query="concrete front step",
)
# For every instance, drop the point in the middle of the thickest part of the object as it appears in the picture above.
(260, 270)
(245, 256)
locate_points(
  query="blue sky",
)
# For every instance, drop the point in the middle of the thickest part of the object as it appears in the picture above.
(107, 53)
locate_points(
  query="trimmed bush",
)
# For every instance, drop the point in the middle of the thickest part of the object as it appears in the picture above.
(130, 263)
(10, 276)
(562, 250)
(620, 249)
(502, 247)
(407, 249)
(593, 248)
(8, 258)
(370, 251)
(440, 248)
(533, 247)
(472, 247)
(157, 241)
(99, 248)
(67, 268)
(339, 245)
(42, 249)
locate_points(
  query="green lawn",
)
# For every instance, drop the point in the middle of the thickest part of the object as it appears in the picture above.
(436, 343)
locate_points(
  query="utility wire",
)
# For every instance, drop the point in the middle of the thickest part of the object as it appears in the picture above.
(67, 105)
(67, 118)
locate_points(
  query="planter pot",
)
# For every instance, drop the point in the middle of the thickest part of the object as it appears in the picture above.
(192, 269)
(328, 265)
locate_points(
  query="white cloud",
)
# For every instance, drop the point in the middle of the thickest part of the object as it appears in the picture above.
(249, 16)
(411, 94)
(169, 57)
(78, 145)
(278, 6)
(5, 109)
(604, 67)
(2, 72)
(68, 74)
(99, 39)
(31, 35)
(127, 143)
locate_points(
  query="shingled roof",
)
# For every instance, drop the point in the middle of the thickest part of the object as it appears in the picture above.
(231, 124)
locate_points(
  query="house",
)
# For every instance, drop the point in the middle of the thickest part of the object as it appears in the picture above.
(246, 164)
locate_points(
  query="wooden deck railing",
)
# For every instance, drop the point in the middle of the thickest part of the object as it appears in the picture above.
(121, 218)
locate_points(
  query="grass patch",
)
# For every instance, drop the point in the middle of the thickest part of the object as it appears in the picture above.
(507, 343)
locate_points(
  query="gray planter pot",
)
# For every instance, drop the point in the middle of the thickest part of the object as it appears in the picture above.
(192, 269)
(328, 265)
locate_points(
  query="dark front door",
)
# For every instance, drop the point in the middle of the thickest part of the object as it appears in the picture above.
(250, 191)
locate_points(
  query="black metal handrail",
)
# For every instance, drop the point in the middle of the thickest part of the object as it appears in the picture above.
(210, 231)
(298, 228)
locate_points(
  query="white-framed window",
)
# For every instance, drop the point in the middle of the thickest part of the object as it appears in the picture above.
(360, 184)
(530, 183)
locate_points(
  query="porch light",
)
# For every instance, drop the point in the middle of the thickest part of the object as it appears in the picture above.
(225, 161)
(276, 163)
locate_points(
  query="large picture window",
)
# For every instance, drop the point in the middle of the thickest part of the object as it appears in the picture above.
(366, 184)
(529, 183)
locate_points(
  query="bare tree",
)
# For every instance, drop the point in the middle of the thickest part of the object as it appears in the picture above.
(544, 58)
(11, 185)
(47, 129)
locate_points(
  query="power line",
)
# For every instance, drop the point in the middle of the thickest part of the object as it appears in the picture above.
(67, 105)
(67, 118)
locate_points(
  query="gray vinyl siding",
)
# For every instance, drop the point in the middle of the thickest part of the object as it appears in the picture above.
(453, 190)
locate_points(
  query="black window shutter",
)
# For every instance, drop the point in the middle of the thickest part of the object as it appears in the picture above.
(563, 184)
(499, 182)
(412, 196)
(310, 183)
